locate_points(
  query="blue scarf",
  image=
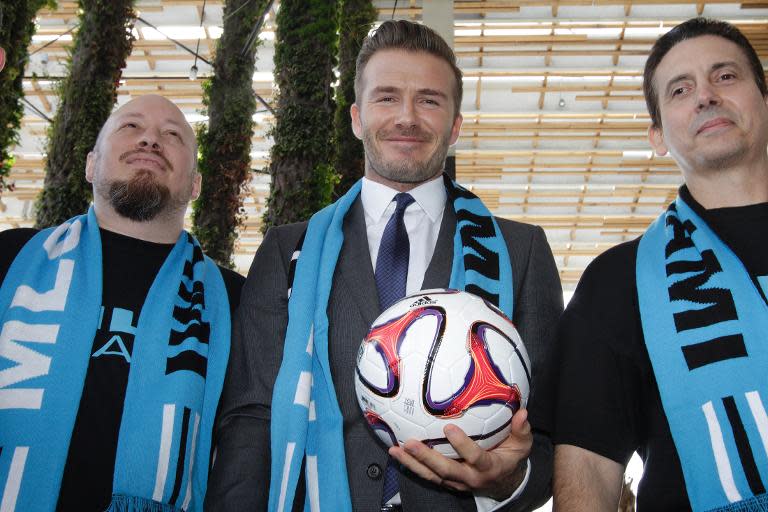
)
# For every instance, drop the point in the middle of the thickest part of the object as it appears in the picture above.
(306, 420)
(50, 303)
(706, 329)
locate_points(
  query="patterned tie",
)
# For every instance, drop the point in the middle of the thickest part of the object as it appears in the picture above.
(391, 276)
(392, 261)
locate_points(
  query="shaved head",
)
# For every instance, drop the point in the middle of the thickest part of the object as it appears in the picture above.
(143, 165)
(144, 103)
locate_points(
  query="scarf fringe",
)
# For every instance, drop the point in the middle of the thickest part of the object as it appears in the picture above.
(754, 504)
(123, 503)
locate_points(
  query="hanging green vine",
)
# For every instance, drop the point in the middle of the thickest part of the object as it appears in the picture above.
(86, 97)
(355, 20)
(17, 25)
(305, 56)
(225, 145)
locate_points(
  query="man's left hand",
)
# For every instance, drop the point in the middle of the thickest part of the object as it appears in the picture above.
(495, 473)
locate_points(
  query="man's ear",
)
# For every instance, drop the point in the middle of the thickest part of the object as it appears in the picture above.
(656, 138)
(357, 125)
(197, 183)
(90, 163)
(456, 129)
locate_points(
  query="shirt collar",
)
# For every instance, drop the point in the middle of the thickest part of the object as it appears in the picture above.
(430, 196)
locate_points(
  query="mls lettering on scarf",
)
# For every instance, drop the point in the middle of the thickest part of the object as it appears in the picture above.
(30, 363)
(473, 227)
(720, 305)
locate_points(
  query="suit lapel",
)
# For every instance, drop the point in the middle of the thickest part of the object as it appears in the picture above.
(355, 267)
(438, 273)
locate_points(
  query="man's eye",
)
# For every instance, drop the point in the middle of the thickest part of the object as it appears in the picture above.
(677, 91)
(130, 125)
(727, 76)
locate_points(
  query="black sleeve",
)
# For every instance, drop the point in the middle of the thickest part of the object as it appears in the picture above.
(597, 379)
(11, 242)
(234, 283)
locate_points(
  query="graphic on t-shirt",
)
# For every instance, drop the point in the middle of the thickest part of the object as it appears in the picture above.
(116, 333)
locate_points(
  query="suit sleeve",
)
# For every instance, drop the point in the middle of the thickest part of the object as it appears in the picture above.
(539, 304)
(239, 478)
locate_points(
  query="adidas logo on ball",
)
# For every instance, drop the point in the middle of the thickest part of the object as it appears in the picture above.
(423, 301)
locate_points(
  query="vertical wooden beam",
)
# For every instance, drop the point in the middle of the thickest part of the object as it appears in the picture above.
(618, 46)
(543, 91)
(41, 94)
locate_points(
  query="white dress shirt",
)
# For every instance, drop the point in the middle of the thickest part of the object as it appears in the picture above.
(422, 220)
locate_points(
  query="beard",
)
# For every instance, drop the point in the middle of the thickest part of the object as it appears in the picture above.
(406, 170)
(140, 198)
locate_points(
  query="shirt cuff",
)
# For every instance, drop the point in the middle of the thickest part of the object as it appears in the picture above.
(486, 504)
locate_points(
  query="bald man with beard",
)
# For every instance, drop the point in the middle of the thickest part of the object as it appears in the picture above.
(110, 406)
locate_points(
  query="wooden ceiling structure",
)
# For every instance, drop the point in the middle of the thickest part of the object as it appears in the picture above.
(554, 127)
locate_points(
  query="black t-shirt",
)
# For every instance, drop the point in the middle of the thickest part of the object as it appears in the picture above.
(130, 267)
(601, 393)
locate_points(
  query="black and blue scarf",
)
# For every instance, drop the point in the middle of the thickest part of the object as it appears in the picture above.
(307, 424)
(50, 304)
(706, 330)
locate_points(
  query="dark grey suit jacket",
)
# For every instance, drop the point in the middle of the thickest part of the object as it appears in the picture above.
(239, 479)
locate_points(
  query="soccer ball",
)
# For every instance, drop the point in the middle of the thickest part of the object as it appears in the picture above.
(440, 357)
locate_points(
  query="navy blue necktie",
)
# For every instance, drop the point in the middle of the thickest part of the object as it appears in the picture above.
(392, 261)
(391, 277)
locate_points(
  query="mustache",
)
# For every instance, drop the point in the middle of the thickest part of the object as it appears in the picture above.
(414, 132)
(161, 156)
(708, 115)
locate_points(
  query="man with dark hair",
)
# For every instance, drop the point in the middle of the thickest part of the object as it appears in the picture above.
(114, 334)
(662, 348)
(298, 435)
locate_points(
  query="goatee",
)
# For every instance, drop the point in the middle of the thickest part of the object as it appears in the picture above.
(140, 199)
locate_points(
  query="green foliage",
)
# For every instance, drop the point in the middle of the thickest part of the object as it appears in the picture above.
(86, 98)
(305, 57)
(355, 20)
(16, 32)
(225, 145)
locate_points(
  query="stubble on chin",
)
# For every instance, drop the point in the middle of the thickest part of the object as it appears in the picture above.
(718, 159)
(406, 170)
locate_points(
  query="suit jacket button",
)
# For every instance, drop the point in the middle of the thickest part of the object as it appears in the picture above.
(373, 471)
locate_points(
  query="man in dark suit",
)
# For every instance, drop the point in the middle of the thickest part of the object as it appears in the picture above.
(408, 93)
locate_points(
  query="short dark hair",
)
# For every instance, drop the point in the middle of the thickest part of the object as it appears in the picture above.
(695, 27)
(412, 37)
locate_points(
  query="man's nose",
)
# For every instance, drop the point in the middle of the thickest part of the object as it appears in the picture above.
(707, 96)
(150, 139)
(406, 116)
